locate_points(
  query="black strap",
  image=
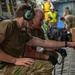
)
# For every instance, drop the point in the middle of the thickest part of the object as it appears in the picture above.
(25, 37)
(62, 65)
(66, 44)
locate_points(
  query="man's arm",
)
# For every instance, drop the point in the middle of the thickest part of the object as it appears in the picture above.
(1, 37)
(6, 58)
(45, 43)
(3, 56)
(49, 43)
(29, 52)
(10, 59)
(17, 61)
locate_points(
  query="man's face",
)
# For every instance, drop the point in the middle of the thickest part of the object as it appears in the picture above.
(67, 26)
(38, 20)
(52, 10)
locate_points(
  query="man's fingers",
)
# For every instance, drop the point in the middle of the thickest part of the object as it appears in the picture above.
(28, 62)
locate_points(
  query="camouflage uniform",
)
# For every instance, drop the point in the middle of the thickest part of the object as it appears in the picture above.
(14, 47)
(39, 68)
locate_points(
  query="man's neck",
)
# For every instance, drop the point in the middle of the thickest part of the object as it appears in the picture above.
(20, 23)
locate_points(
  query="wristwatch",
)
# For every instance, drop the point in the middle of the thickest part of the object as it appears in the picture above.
(66, 44)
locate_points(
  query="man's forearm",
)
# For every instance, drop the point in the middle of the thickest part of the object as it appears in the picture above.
(29, 52)
(54, 44)
(6, 58)
(46, 43)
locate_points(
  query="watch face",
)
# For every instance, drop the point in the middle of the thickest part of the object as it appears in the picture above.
(66, 44)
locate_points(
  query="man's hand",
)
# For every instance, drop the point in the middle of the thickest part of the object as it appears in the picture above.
(28, 62)
(71, 44)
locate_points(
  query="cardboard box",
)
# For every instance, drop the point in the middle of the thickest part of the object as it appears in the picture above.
(72, 30)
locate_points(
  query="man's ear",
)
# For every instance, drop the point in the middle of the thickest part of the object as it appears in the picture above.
(33, 22)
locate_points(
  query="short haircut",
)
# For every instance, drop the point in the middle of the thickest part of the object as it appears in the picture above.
(67, 7)
(36, 10)
(21, 9)
(62, 18)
